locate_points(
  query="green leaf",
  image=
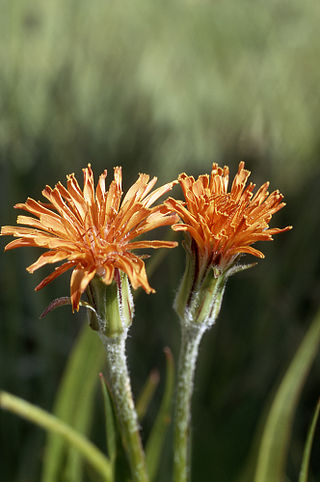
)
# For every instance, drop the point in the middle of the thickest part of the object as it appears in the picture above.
(74, 405)
(307, 449)
(44, 419)
(276, 435)
(147, 393)
(163, 419)
(83, 415)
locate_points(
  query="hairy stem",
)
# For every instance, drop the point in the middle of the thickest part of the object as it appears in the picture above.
(191, 337)
(119, 383)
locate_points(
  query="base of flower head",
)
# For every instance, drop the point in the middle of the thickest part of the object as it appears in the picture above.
(113, 305)
(204, 303)
(202, 287)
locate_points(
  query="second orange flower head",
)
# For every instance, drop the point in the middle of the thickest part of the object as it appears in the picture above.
(223, 224)
(93, 230)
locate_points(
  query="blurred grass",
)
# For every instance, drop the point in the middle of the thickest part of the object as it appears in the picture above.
(275, 439)
(163, 88)
(182, 81)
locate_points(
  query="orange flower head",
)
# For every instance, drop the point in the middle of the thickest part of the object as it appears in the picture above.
(93, 230)
(223, 224)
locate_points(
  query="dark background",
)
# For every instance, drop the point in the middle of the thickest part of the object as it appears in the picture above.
(165, 87)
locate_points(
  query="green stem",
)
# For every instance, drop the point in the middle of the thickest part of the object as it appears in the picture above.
(119, 383)
(191, 337)
(49, 422)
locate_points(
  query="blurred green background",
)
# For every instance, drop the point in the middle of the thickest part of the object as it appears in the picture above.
(165, 87)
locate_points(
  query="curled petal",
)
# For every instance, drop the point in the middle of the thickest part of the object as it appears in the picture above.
(79, 281)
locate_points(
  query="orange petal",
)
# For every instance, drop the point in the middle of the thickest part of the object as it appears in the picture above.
(47, 258)
(80, 279)
(137, 189)
(109, 274)
(101, 188)
(152, 222)
(152, 244)
(248, 250)
(57, 272)
(88, 185)
(160, 191)
(135, 269)
(19, 243)
(34, 207)
(77, 196)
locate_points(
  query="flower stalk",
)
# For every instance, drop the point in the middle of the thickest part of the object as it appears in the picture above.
(190, 340)
(120, 386)
(199, 313)
(111, 316)
(219, 227)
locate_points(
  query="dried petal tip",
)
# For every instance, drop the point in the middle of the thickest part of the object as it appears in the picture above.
(93, 230)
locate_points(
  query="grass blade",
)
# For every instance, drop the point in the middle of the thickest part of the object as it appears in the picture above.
(45, 420)
(276, 434)
(83, 413)
(160, 426)
(146, 394)
(73, 405)
(308, 446)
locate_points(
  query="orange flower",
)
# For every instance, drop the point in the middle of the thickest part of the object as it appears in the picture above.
(225, 224)
(93, 230)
